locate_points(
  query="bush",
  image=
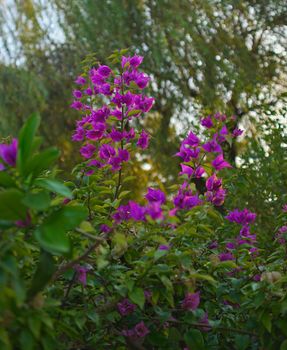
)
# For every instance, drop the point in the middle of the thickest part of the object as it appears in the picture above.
(84, 266)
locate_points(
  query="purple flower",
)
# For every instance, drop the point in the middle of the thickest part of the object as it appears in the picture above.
(106, 151)
(207, 122)
(8, 153)
(105, 228)
(137, 212)
(143, 140)
(77, 105)
(143, 103)
(97, 132)
(80, 80)
(257, 278)
(77, 93)
(282, 229)
(122, 214)
(154, 195)
(123, 155)
(135, 61)
(116, 135)
(244, 217)
(82, 274)
(199, 171)
(212, 146)
(213, 183)
(226, 256)
(237, 132)
(154, 211)
(125, 307)
(192, 140)
(88, 150)
(104, 71)
(204, 320)
(142, 80)
(213, 245)
(186, 170)
(141, 330)
(191, 301)
(88, 91)
(164, 247)
(219, 163)
(230, 245)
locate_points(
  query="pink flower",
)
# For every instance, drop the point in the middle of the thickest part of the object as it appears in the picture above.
(191, 301)
(143, 140)
(125, 307)
(219, 163)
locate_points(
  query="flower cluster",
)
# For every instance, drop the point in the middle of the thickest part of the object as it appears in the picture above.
(140, 330)
(106, 131)
(8, 154)
(243, 218)
(132, 210)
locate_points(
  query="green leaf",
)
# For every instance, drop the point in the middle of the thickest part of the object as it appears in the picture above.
(134, 112)
(27, 340)
(26, 141)
(44, 272)
(52, 233)
(11, 206)
(266, 320)
(194, 339)
(37, 201)
(41, 161)
(6, 180)
(54, 186)
(137, 297)
(242, 341)
(283, 345)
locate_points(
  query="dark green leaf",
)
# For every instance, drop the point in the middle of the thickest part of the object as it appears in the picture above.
(194, 339)
(54, 186)
(37, 201)
(11, 206)
(26, 141)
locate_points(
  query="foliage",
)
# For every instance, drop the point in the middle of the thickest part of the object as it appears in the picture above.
(84, 266)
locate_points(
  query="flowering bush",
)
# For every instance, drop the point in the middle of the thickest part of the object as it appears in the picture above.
(85, 266)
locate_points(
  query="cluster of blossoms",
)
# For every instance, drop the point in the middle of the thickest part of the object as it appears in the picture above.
(8, 154)
(193, 153)
(106, 131)
(243, 218)
(281, 234)
(155, 198)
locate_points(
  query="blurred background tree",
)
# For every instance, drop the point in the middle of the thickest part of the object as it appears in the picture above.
(203, 56)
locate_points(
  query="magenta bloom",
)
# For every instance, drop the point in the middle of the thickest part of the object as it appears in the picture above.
(204, 320)
(207, 122)
(212, 146)
(116, 135)
(164, 247)
(226, 256)
(244, 217)
(135, 61)
(191, 301)
(106, 151)
(77, 93)
(219, 163)
(104, 71)
(213, 183)
(137, 212)
(125, 307)
(105, 228)
(80, 80)
(82, 274)
(88, 150)
(141, 330)
(192, 140)
(143, 140)
(154, 195)
(186, 170)
(237, 132)
(8, 153)
(154, 210)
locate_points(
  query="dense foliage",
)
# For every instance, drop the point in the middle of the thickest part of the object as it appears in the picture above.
(84, 266)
